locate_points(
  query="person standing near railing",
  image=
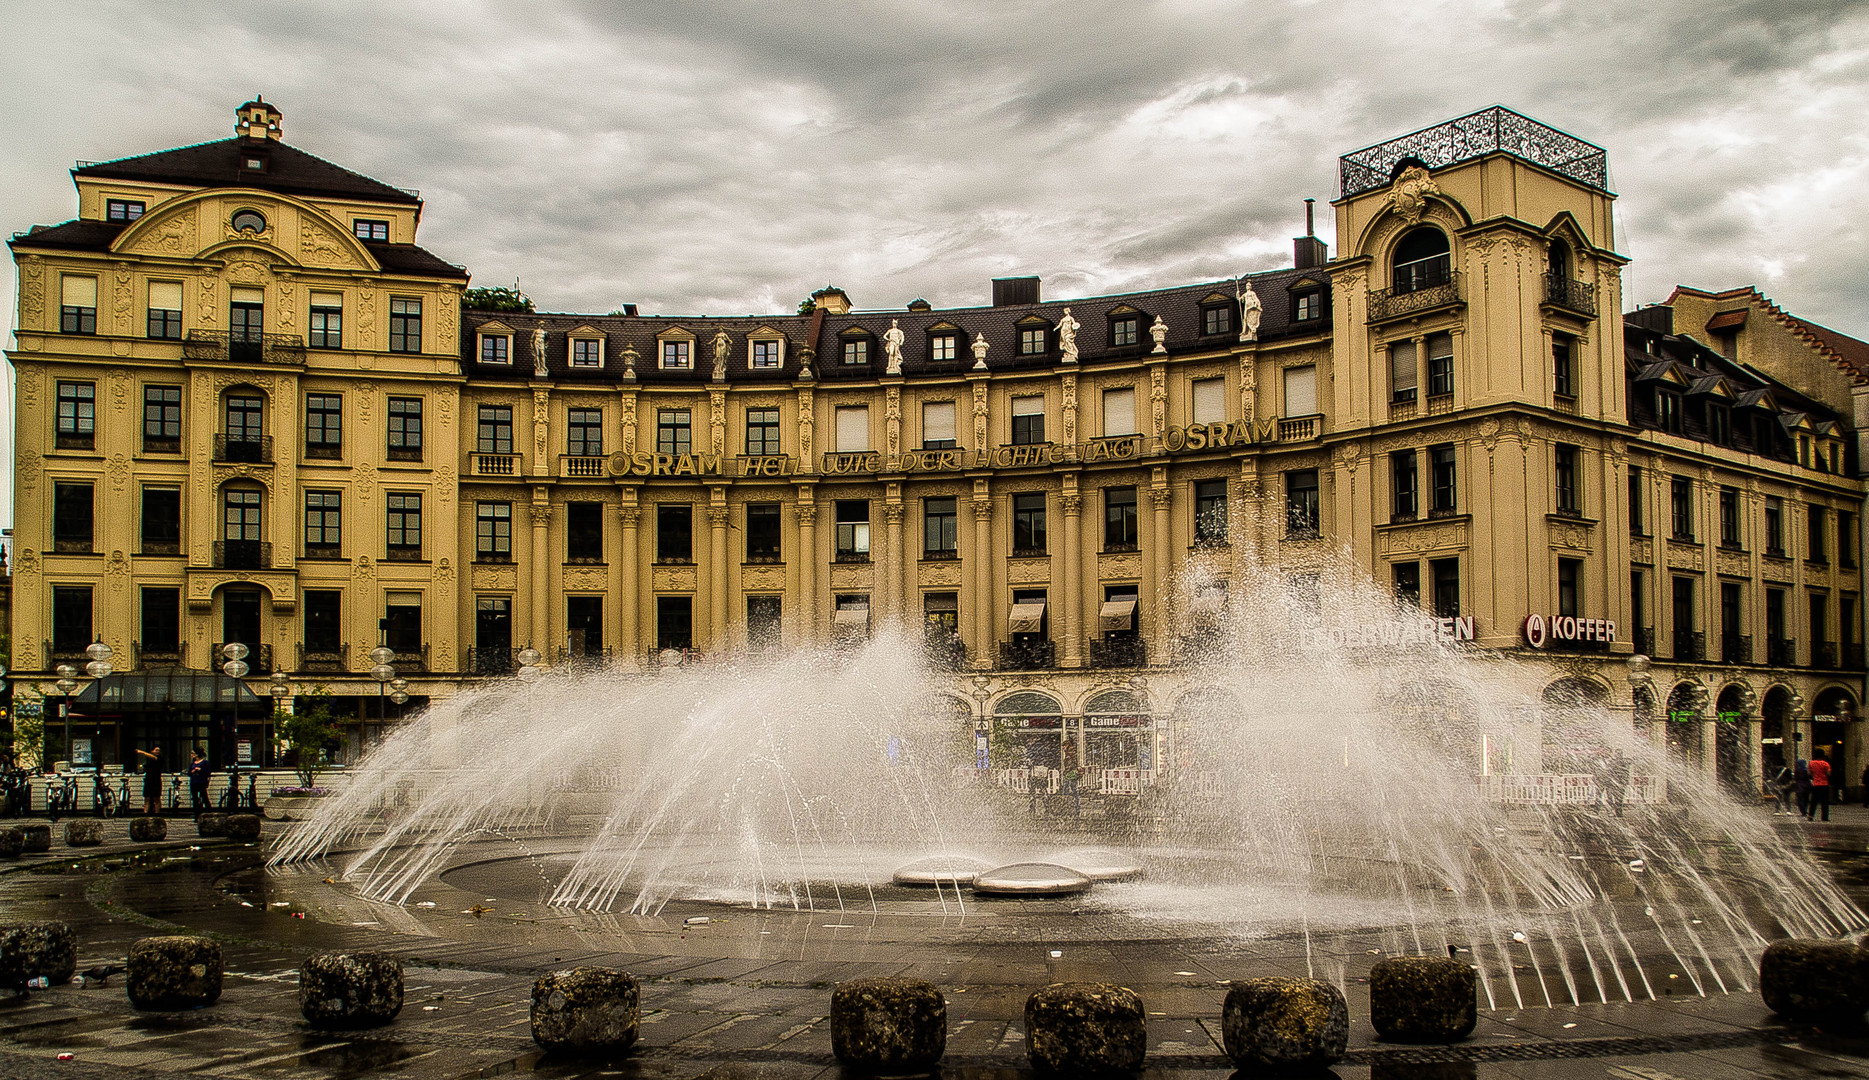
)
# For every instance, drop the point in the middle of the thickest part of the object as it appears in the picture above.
(199, 773)
(152, 779)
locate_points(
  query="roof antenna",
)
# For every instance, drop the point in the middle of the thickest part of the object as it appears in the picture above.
(1309, 228)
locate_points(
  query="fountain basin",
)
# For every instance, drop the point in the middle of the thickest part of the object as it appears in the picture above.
(1031, 879)
(1098, 864)
(941, 870)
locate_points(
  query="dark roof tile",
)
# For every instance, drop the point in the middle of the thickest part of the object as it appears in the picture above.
(289, 170)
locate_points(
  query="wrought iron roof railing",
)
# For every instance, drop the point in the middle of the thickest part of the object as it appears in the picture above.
(1465, 138)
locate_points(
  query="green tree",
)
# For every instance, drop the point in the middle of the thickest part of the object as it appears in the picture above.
(807, 306)
(311, 731)
(496, 298)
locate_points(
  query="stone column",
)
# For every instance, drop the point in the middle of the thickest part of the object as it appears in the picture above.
(541, 574)
(718, 572)
(1073, 505)
(891, 569)
(628, 597)
(807, 511)
(983, 606)
(1162, 496)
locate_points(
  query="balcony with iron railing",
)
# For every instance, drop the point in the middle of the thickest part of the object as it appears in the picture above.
(1431, 293)
(1645, 640)
(1117, 651)
(1736, 648)
(163, 656)
(1824, 655)
(243, 555)
(259, 657)
(1781, 652)
(580, 661)
(1035, 655)
(490, 660)
(945, 653)
(243, 449)
(1690, 645)
(1489, 131)
(244, 348)
(411, 660)
(321, 659)
(1571, 295)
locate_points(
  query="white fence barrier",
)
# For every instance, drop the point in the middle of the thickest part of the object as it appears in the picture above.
(1565, 789)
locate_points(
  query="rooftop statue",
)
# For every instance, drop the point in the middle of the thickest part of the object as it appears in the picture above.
(892, 347)
(1159, 332)
(1252, 309)
(1067, 337)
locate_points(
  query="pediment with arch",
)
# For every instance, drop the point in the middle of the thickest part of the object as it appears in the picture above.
(199, 226)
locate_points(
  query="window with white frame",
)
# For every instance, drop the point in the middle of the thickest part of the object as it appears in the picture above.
(1210, 400)
(587, 352)
(766, 353)
(677, 355)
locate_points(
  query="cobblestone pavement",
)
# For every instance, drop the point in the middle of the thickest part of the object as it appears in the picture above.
(710, 1013)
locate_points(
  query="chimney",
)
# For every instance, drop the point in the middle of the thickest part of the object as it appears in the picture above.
(831, 300)
(258, 121)
(1008, 291)
(1308, 251)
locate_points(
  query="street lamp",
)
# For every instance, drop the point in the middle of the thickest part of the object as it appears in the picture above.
(399, 693)
(529, 658)
(67, 682)
(382, 671)
(236, 669)
(280, 690)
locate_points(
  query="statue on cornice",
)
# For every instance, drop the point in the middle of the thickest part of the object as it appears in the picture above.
(979, 352)
(538, 351)
(722, 343)
(1067, 337)
(892, 347)
(1252, 309)
(1159, 332)
(1408, 196)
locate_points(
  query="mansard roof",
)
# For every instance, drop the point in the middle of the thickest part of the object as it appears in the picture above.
(85, 235)
(222, 163)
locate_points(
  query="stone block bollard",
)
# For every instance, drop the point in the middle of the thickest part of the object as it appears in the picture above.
(38, 837)
(350, 990)
(12, 843)
(243, 827)
(1073, 1029)
(888, 1024)
(1285, 1024)
(84, 832)
(210, 823)
(587, 1010)
(1423, 999)
(148, 828)
(37, 950)
(1822, 981)
(168, 974)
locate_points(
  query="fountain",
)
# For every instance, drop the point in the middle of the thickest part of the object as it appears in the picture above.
(1340, 774)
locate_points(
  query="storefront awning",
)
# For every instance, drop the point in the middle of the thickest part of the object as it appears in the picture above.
(854, 617)
(166, 690)
(1027, 618)
(1117, 615)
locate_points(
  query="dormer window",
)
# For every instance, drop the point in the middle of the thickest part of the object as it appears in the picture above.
(677, 355)
(496, 348)
(856, 351)
(1308, 306)
(765, 354)
(1125, 331)
(1216, 315)
(1668, 410)
(587, 352)
(123, 210)
(1719, 424)
(248, 221)
(1034, 337)
(942, 347)
(370, 230)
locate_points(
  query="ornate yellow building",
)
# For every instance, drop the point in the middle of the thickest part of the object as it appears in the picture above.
(251, 409)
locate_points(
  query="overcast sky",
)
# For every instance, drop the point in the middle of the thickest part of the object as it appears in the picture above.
(724, 158)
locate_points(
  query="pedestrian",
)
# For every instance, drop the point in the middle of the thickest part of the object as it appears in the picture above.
(1820, 787)
(1781, 787)
(152, 779)
(1801, 775)
(198, 775)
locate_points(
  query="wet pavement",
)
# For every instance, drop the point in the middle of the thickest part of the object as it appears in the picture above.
(745, 995)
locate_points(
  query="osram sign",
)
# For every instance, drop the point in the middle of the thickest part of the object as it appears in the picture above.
(1541, 630)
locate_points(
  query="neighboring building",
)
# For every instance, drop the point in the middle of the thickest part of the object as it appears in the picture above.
(1036, 483)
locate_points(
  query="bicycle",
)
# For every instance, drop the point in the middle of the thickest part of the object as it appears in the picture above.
(103, 800)
(175, 792)
(61, 795)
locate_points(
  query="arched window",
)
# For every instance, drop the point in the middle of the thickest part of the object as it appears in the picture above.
(1116, 708)
(1422, 260)
(1030, 709)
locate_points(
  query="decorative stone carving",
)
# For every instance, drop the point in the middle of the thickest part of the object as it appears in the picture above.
(1071, 505)
(444, 571)
(502, 576)
(1642, 551)
(806, 512)
(943, 572)
(1070, 409)
(317, 245)
(538, 352)
(627, 409)
(979, 415)
(1113, 567)
(1159, 331)
(1252, 310)
(117, 569)
(807, 422)
(209, 308)
(26, 563)
(673, 579)
(1686, 557)
(585, 578)
(1571, 535)
(717, 424)
(1408, 196)
(852, 575)
(26, 471)
(1067, 337)
(1158, 400)
(1444, 536)
(762, 578)
(630, 356)
(1028, 571)
(176, 236)
(541, 514)
(894, 513)
(32, 292)
(979, 352)
(892, 347)
(892, 419)
(1732, 563)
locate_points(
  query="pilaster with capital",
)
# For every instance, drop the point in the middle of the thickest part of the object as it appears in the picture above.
(719, 571)
(1072, 505)
(806, 510)
(984, 607)
(629, 603)
(540, 622)
(895, 557)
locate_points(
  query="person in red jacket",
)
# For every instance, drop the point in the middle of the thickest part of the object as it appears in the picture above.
(1820, 786)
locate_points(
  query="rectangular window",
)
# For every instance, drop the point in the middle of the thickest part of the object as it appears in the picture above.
(1407, 578)
(1775, 615)
(1028, 420)
(161, 623)
(940, 528)
(405, 325)
(674, 431)
(1217, 319)
(1124, 331)
(1119, 411)
(323, 521)
(493, 532)
(1729, 517)
(1446, 587)
(1820, 620)
(77, 416)
(1440, 364)
(1405, 486)
(1308, 306)
(1681, 501)
(853, 530)
(1301, 391)
(494, 434)
(366, 229)
(165, 310)
(1028, 523)
(763, 535)
(1819, 552)
(327, 320)
(584, 432)
(496, 349)
(77, 312)
(857, 351)
(1569, 500)
(1719, 424)
(1301, 507)
(1638, 499)
(674, 622)
(939, 431)
(584, 532)
(1404, 372)
(1563, 349)
(404, 522)
(674, 533)
(1210, 401)
(765, 354)
(1683, 614)
(1210, 511)
(943, 348)
(1731, 624)
(1119, 519)
(1847, 540)
(1568, 572)
(1033, 624)
(240, 515)
(764, 624)
(162, 521)
(1032, 341)
(1774, 525)
(123, 209)
(324, 624)
(405, 429)
(762, 432)
(587, 353)
(71, 619)
(676, 356)
(324, 425)
(1668, 410)
(246, 320)
(941, 626)
(1442, 476)
(402, 622)
(853, 428)
(71, 517)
